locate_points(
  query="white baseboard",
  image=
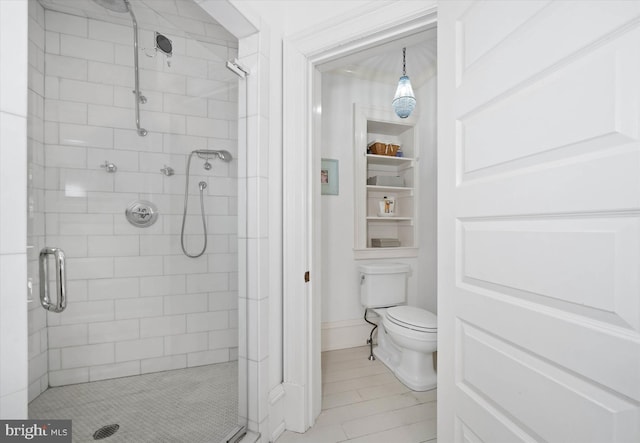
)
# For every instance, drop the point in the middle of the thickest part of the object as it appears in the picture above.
(294, 413)
(277, 424)
(346, 333)
(278, 431)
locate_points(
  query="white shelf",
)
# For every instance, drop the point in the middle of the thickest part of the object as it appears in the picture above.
(385, 125)
(390, 219)
(374, 159)
(399, 189)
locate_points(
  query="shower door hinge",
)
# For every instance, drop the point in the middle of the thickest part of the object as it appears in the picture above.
(307, 277)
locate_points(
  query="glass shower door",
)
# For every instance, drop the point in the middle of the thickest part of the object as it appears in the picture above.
(149, 337)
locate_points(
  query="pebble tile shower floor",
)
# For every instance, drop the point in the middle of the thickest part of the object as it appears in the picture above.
(193, 405)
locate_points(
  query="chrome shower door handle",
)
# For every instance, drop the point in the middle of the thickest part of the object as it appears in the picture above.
(61, 280)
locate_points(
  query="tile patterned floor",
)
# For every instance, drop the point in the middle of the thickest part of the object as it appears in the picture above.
(362, 402)
(194, 405)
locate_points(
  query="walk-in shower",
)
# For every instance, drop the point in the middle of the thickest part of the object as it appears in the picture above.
(149, 337)
(123, 6)
(206, 155)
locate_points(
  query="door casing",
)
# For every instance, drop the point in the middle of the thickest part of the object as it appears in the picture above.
(366, 27)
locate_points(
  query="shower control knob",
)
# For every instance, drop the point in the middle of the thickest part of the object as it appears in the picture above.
(141, 213)
(109, 166)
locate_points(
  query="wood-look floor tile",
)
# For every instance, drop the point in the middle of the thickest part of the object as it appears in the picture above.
(341, 414)
(389, 420)
(385, 390)
(340, 399)
(425, 396)
(364, 402)
(369, 381)
(354, 373)
(424, 431)
(342, 365)
(345, 354)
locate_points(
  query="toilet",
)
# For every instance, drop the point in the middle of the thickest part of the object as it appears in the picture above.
(407, 335)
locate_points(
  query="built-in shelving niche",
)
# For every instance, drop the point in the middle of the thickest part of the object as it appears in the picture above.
(374, 124)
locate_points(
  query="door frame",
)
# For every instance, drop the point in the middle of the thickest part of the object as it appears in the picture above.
(365, 27)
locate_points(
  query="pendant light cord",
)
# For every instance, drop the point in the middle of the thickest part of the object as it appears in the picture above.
(404, 61)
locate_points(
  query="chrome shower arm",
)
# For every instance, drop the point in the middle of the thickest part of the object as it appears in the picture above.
(206, 154)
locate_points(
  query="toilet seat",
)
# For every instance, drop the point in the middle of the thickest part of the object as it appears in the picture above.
(413, 318)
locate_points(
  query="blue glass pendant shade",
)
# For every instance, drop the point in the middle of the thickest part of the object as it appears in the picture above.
(404, 102)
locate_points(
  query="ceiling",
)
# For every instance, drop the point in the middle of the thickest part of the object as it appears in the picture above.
(383, 63)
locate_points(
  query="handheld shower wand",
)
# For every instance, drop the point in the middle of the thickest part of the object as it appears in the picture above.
(205, 154)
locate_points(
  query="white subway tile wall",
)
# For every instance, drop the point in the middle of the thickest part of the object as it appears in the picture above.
(136, 304)
(39, 357)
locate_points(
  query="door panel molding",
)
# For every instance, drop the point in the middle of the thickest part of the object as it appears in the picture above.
(538, 222)
(529, 380)
(579, 265)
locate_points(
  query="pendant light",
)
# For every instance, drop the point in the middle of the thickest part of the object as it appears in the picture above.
(404, 101)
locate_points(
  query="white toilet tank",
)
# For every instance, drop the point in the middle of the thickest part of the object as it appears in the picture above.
(383, 284)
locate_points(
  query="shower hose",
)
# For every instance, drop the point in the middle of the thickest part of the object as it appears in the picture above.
(202, 186)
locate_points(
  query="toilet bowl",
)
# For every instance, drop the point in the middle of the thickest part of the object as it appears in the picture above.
(407, 335)
(407, 338)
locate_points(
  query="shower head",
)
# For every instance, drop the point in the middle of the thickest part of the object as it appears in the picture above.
(114, 5)
(224, 155)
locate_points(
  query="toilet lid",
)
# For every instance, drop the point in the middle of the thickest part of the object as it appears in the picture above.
(413, 318)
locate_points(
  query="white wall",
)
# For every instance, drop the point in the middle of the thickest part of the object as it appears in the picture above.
(13, 210)
(426, 96)
(342, 312)
(136, 304)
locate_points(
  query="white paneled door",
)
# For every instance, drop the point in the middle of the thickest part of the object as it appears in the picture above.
(539, 221)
